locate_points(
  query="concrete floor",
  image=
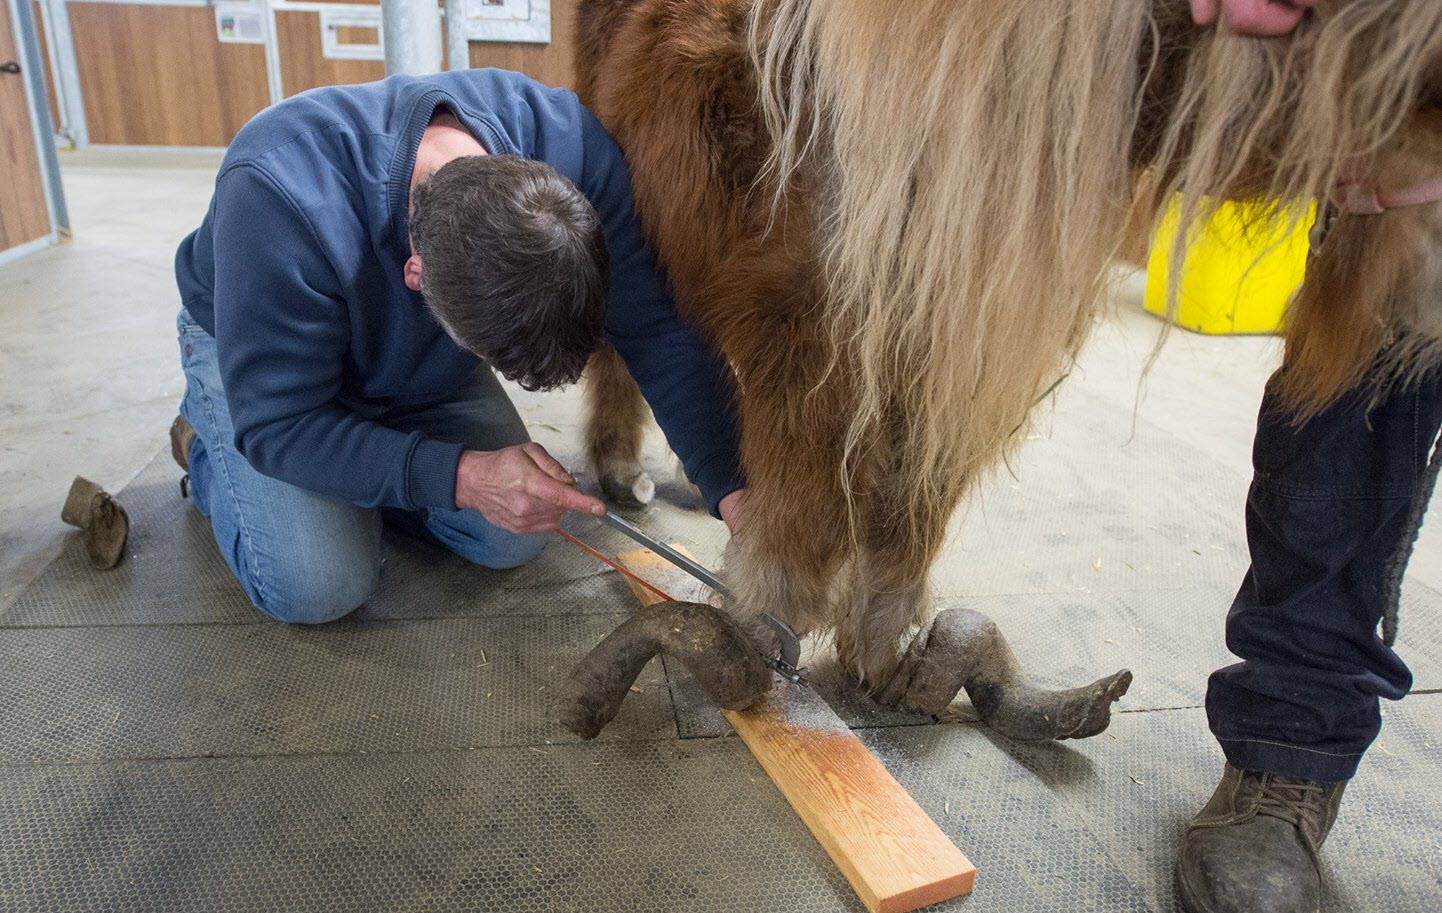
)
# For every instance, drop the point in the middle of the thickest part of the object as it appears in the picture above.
(1117, 541)
(89, 372)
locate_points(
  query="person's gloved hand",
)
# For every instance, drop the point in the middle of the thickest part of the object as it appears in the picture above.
(1252, 17)
(522, 489)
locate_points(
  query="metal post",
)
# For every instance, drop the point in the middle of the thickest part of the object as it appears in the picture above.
(458, 46)
(27, 47)
(67, 83)
(412, 36)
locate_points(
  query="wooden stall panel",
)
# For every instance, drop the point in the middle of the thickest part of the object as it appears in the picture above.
(23, 215)
(158, 76)
(547, 63)
(303, 66)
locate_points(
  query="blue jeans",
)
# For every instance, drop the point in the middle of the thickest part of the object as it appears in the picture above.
(1328, 519)
(306, 558)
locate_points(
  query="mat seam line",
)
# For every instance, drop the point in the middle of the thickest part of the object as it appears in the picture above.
(265, 622)
(150, 759)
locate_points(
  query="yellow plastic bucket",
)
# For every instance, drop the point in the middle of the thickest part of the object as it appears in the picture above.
(1237, 278)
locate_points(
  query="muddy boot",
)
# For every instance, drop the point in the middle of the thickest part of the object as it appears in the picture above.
(90, 508)
(181, 437)
(1253, 848)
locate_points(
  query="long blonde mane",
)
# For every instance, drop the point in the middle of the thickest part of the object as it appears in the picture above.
(973, 168)
(972, 160)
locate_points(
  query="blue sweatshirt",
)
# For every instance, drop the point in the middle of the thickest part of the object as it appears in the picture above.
(297, 273)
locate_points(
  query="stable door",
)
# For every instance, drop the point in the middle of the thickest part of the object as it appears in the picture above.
(24, 217)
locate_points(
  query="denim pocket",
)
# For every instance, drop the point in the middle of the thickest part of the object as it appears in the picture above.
(185, 324)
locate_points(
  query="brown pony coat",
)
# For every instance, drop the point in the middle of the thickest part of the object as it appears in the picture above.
(893, 311)
(679, 95)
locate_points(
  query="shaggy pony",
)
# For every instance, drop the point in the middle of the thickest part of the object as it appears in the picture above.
(896, 228)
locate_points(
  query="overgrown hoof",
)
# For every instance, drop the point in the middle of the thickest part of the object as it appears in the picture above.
(1033, 714)
(106, 524)
(628, 489)
(965, 649)
(726, 663)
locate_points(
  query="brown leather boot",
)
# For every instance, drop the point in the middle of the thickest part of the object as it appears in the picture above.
(1253, 848)
(181, 437)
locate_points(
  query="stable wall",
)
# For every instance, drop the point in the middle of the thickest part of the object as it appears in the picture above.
(154, 73)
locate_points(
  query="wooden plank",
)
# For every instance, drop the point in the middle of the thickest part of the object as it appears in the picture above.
(894, 855)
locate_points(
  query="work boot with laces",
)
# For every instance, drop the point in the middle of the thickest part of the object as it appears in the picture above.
(1253, 848)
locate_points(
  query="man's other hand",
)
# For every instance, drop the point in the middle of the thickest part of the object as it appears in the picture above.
(522, 489)
(1252, 17)
(733, 510)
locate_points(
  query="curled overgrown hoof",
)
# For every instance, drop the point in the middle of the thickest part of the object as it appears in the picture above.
(106, 524)
(726, 663)
(965, 649)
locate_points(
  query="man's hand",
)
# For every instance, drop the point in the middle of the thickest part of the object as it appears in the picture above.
(733, 510)
(522, 489)
(1252, 17)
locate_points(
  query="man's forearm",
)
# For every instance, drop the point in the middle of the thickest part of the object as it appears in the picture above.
(334, 452)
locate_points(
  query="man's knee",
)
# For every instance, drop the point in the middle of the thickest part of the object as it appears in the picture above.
(495, 548)
(503, 550)
(309, 595)
(475, 539)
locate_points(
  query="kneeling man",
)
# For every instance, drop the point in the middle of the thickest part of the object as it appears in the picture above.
(371, 254)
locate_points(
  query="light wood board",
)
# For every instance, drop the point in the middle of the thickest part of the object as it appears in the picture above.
(894, 855)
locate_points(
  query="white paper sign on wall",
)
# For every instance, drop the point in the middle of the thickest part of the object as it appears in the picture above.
(239, 23)
(508, 20)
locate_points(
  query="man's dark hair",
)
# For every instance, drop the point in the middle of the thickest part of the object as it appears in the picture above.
(513, 265)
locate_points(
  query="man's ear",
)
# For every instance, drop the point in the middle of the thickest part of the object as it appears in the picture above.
(413, 273)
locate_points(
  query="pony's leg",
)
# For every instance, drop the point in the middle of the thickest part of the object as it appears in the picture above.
(775, 567)
(793, 419)
(959, 649)
(616, 418)
(886, 594)
(784, 559)
(780, 563)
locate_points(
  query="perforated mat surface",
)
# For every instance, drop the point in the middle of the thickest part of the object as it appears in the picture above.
(165, 747)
